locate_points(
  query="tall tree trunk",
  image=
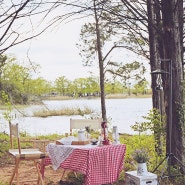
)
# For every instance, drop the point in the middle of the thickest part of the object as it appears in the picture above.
(154, 48)
(166, 49)
(101, 66)
(154, 43)
(173, 48)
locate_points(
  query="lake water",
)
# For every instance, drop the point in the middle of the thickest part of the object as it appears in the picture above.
(122, 112)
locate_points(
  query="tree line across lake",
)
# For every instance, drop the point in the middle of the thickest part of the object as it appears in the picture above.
(17, 81)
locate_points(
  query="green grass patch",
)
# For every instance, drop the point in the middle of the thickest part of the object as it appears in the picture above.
(63, 112)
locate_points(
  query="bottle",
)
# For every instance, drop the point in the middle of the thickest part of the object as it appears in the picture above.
(115, 135)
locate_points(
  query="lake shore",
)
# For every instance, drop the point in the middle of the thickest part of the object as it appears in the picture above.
(109, 96)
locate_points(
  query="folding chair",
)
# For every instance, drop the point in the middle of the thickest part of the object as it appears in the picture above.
(34, 155)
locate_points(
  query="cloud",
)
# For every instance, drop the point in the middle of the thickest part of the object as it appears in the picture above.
(56, 53)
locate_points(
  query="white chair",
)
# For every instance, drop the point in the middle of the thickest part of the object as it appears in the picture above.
(34, 155)
(94, 124)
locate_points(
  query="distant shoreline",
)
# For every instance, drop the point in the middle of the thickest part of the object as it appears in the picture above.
(110, 96)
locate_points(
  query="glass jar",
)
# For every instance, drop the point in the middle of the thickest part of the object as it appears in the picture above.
(81, 135)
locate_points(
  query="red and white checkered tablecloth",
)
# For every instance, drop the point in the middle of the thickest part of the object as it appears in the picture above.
(100, 165)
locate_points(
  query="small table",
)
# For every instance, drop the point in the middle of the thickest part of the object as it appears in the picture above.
(99, 164)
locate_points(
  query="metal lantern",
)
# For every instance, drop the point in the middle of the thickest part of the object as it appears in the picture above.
(158, 73)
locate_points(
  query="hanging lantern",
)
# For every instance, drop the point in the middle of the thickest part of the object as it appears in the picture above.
(158, 74)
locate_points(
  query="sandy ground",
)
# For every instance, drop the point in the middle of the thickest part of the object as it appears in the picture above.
(28, 172)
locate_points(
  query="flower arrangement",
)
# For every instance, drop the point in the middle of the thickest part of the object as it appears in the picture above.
(140, 156)
(87, 129)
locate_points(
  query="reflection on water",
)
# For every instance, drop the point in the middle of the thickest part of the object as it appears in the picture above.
(122, 112)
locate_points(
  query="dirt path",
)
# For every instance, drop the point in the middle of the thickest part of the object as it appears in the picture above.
(27, 171)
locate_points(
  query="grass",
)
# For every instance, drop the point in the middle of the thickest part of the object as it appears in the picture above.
(124, 96)
(65, 111)
(57, 98)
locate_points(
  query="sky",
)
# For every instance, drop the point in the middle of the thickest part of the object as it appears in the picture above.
(56, 53)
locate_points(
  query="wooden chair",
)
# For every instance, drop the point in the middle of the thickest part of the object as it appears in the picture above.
(94, 124)
(37, 143)
(34, 155)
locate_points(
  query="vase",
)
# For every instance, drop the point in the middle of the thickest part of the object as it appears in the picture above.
(142, 169)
